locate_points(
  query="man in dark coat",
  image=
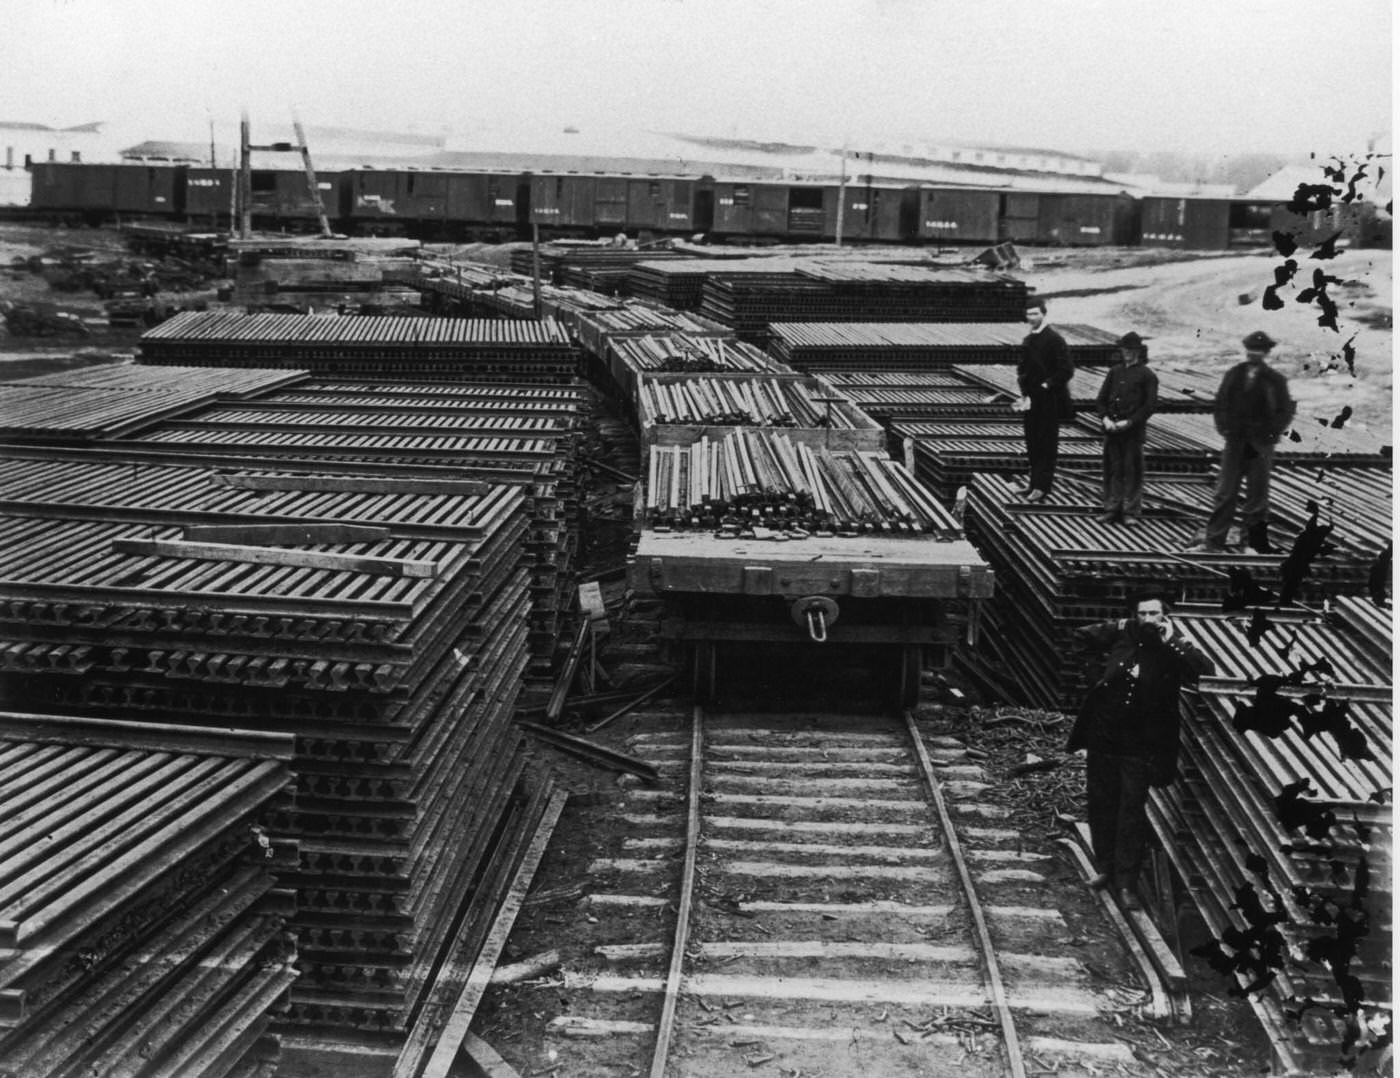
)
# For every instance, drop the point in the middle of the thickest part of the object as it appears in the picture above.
(1130, 725)
(1128, 396)
(1252, 409)
(1043, 374)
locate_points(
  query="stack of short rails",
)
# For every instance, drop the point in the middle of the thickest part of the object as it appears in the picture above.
(965, 392)
(1177, 391)
(598, 330)
(865, 344)
(599, 266)
(382, 619)
(522, 435)
(143, 932)
(759, 481)
(365, 346)
(112, 400)
(517, 301)
(1239, 822)
(451, 287)
(681, 283)
(678, 409)
(1060, 568)
(632, 360)
(856, 292)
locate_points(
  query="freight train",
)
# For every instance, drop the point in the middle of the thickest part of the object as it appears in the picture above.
(434, 204)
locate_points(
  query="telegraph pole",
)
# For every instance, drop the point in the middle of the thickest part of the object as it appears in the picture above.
(841, 197)
(245, 180)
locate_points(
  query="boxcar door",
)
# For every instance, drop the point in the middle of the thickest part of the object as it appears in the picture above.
(611, 202)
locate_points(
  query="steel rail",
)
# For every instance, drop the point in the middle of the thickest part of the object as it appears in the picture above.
(665, 1025)
(984, 940)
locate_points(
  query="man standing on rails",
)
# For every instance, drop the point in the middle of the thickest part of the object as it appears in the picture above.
(1126, 399)
(1130, 725)
(1252, 409)
(1043, 375)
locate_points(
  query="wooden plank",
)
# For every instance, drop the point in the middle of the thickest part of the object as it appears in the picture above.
(286, 534)
(357, 484)
(487, 1059)
(455, 1032)
(256, 555)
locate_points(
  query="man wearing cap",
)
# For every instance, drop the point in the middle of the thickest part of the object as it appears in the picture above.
(1130, 726)
(1128, 396)
(1252, 409)
(1043, 374)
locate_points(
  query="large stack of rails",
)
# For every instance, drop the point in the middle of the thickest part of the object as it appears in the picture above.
(1239, 823)
(369, 592)
(143, 930)
(861, 292)
(682, 408)
(595, 266)
(404, 348)
(927, 345)
(749, 295)
(1060, 568)
(632, 360)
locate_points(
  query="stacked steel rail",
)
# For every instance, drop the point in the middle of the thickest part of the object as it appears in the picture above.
(1059, 567)
(142, 929)
(108, 400)
(861, 293)
(759, 479)
(1177, 391)
(526, 435)
(866, 343)
(703, 399)
(1230, 828)
(382, 621)
(631, 359)
(428, 348)
(588, 266)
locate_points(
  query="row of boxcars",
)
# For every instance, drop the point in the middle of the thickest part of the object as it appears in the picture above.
(433, 204)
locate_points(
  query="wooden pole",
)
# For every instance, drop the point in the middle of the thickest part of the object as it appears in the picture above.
(535, 264)
(841, 198)
(311, 178)
(245, 181)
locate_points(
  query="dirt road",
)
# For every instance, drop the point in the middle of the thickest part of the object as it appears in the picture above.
(1192, 314)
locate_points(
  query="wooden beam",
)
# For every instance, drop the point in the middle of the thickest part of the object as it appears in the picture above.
(353, 484)
(261, 555)
(458, 1025)
(487, 1059)
(286, 534)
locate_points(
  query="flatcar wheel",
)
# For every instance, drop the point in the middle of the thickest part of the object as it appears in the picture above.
(703, 671)
(911, 669)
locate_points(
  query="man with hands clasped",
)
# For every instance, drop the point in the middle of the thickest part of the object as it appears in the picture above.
(1043, 375)
(1130, 724)
(1126, 399)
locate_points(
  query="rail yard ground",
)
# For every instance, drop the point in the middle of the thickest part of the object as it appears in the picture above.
(1193, 309)
(611, 869)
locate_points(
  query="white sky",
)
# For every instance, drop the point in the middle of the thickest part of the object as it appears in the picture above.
(1207, 76)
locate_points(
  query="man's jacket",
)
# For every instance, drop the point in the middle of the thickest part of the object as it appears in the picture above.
(1045, 358)
(1128, 393)
(1256, 407)
(1134, 707)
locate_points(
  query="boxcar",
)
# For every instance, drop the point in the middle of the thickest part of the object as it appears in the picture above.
(209, 193)
(874, 212)
(602, 203)
(1313, 228)
(281, 194)
(431, 199)
(959, 215)
(1085, 220)
(1194, 223)
(99, 190)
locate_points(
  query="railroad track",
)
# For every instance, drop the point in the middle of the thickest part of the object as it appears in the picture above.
(845, 904)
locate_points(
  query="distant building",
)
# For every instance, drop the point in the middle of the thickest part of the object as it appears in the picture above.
(23, 143)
